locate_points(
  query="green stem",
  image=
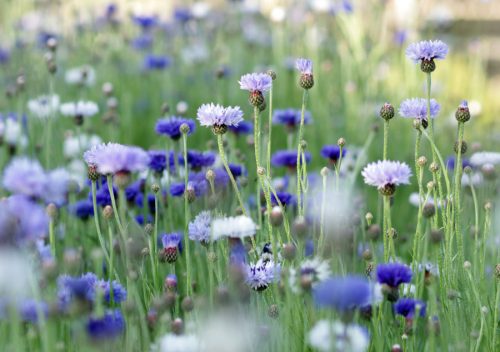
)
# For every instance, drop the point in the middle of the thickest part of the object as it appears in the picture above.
(98, 227)
(299, 148)
(456, 193)
(386, 138)
(113, 204)
(387, 228)
(495, 316)
(186, 216)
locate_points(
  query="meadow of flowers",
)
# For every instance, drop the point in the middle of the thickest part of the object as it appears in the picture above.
(226, 177)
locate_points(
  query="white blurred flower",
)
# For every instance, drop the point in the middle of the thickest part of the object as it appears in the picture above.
(235, 227)
(44, 106)
(278, 14)
(334, 336)
(321, 5)
(481, 158)
(80, 108)
(77, 171)
(179, 343)
(195, 53)
(83, 75)
(475, 108)
(228, 333)
(200, 9)
(475, 179)
(75, 146)
(15, 275)
(182, 107)
(57, 186)
(316, 269)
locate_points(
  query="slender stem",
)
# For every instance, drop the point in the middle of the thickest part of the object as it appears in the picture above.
(256, 142)
(495, 316)
(113, 204)
(111, 265)
(299, 148)
(387, 228)
(186, 216)
(52, 237)
(270, 124)
(323, 207)
(98, 227)
(476, 222)
(228, 170)
(386, 138)
(456, 193)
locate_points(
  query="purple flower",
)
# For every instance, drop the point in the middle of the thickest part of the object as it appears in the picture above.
(119, 292)
(416, 108)
(171, 126)
(343, 293)
(21, 220)
(156, 62)
(109, 326)
(198, 160)
(171, 240)
(450, 163)
(290, 117)
(256, 82)
(103, 197)
(200, 228)
(393, 274)
(29, 310)
(217, 115)
(143, 41)
(261, 274)
(408, 306)
(386, 173)
(56, 191)
(145, 22)
(237, 170)
(332, 152)
(287, 158)
(426, 50)
(244, 127)
(305, 66)
(158, 160)
(285, 199)
(115, 158)
(25, 176)
(81, 288)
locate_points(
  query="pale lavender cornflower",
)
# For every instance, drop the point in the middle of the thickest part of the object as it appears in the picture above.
(305, 66)
(386, 175)
(416, 108)
(261, 274)
(219, 117)
(200, 228)
(256, 84)
(25, 176)
(112, 158)
(425, 52)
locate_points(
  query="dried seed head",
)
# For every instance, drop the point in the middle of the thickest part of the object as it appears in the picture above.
(422, 161)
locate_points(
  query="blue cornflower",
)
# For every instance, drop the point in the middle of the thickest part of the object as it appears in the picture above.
(171, 282)
(450, 163)
(158, 160)
(156, 62)
(416, 108)
(56, 191)
(139, 201)
(219, 117)
(29, 309)
(145, 22)
(244, 127)
(109, 326)
(237, 254)
(256, 82)
(221, 178)
(182, 14)
(237, 170)
(200, 228)
(119, 292)
(177, 189)
(25, 176)
(171, 126)
(309, 248)
(134, 189)
(82, 209)
(386, 175)
(393, 274)
(198, 160)
(102, 195)
(305, 66)
(80, 288)
(408, 306)
(4, 56)
(261, 274)
(290, 117)
(332, 152)
(112, 158)
(287, 158)
(172, 245)
(285, 199)
(427, 50)
(142, 42)
(343, 293)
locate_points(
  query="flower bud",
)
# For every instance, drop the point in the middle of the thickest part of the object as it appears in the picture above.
(369, 218)
(324, 171)
(184, 129)
(463, 147)
(428, 65)
(422, 161)
(341, 142)
(467, 265)
(92, 173)
(187, 304)
(289, 251)
(463, 114)
(155, 188)
(273, 311)
(276, 216)
(306, 81)
(261, 171)
(271, 74)
(387, 111)
(434, 167)
(107, 212)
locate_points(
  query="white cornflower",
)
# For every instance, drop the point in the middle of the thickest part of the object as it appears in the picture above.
(481, 158)
(74, 146)
(44, 106)
(235, 227)
(335, 336)
(83, 75)
(316, 270)
(179, 343)
(80, 108)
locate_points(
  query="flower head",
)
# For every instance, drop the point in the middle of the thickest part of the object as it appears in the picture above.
(171, 126)
(343, 293)
(198, 160)
(172, 245)
(261, 274)
(407, 307)
(79, 108)
(82, 209)
(393, 274)
(328, 336)
(290, 117)
(25, 176)
(217, 116)
(311, 272)
(156, 62)
(158, 160)
(426, 50)
(416, 108)
(234, 227)
(109, 326)
(305, 66)
(199, 229)
(483, 158)
(44, 106)
(386, 175)
(112, 158)
(244, 127)
(256, 82)
(287, 158)
(332, 152)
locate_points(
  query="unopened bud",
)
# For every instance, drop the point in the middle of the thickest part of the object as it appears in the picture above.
(107, 212)
(271, 74)
(341, 142)
(184, 128)
(422, 161)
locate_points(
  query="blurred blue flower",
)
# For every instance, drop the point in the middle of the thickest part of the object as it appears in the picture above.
(109, 326)
(393, 274)
(408, 306)
(343, 293)
(171, 126)
(287, 158)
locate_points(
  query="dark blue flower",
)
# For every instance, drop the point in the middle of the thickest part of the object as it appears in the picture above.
(4, 56)
(393, 274)
(171, 126)
(290, 117)
(309, 248)
(145, 22)
(119, 292)
(287, 158)
(237, 170)
(221, 178)
(183, 14)
(408, 306)
(29, 310)
(139, 201)
(244, 127)
(158, 160)
(285, 198)
(80, 288)
(134, 189)
(177, 189)
(343, 293)
(156, 62)
(142, 42)
(109, 326)
(103, 197)
(197, 159)
(332, 152)
(450, 163)
(82, 209)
